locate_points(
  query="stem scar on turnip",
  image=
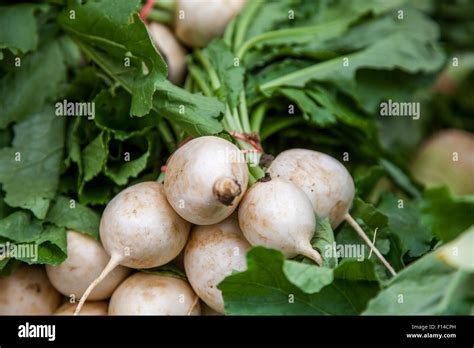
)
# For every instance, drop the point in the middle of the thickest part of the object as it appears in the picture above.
(327, 184)
(139, 229)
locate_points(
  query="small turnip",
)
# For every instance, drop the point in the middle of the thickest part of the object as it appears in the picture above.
(28, 292)
(205, 180)
(89, 308)
(139, 229)
(447, 158)
(198, 22)
(212, 253)
(152, 294)
(328, 185)
(277, 214)
(171, 50)
(86, 260)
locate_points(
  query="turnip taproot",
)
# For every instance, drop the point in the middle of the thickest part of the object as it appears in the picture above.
(277, 214)
(212, 253)
(89, 308)
(205, 180)
(139, 229)
(198, 22)
(171, 50)
(447, 158)
(28, 292)
(328, 185)
(152, 294)
(85, 261)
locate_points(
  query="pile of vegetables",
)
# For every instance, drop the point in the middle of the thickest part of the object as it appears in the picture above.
(178, 157)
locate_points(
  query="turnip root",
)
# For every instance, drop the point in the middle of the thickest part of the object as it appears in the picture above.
(198, 22)
(151, 294)
(328, 185)
(86, 260)
(277, 214)
(212, 253)
(28, 292)
(89, 308)
(171, 50)
(205, 180)
(139, 229)
(447, 158)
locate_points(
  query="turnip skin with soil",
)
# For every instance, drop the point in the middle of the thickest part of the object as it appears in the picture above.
(277, 214)
(212, 253)
(152, 294)
(447, 158)
(197, 23)
(86, 260)
(205, 180)
(28, 292)
(89, 308)
(139, 229)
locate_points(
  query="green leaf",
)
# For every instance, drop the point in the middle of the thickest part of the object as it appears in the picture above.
(94, 156)
(195, 113)
(309, 278)
(230, 76)
(29, 170)
(429, 287)
(445, 215)
(263, 289)
(47, 244)
(400, 178)
(117, 38)
(405, 223)
(324, 241)
(74, 216)
(23, 90)
(19, 30)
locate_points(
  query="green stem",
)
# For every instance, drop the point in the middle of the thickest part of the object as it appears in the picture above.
(200, 79)
(166, 134)
(169, 5)
(188, 83)
(160, 16)
(244, 115)
(229, 33)
(256, 172)
(239, 128)
(258, 116)
(215, 82)
(244, 21)
(278, 126)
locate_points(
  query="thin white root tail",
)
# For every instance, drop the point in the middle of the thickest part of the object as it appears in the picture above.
(193, 305)
(366, 239)
(313, 255)
(114, 262)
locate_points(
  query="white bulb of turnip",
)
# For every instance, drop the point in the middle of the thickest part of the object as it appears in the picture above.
(447, 158)
(198, 22)
(326, 182)
(28, 292)
(139, 229)
(171, 50)
(212, 253)
(328, 185)
(275, 213)
(205, 180)
(152, 294)
(85, 261)
(89, 308)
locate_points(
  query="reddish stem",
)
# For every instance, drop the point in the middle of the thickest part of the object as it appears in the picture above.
(146, 9)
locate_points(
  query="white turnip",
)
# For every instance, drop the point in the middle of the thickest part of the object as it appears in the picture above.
(198, 22)
(139, 229)
(85, 261)
(89, 308)
(205, 180)
(171, 50)
(28, 292)
(212, 253)
(328, 185)
(277, 214)
(447, 158)
(152, 294)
